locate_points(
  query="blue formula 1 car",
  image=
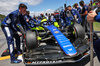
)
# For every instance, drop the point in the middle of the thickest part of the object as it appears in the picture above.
(69, 45)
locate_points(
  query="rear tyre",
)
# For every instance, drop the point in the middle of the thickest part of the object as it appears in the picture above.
(76, 31)
(79, 31)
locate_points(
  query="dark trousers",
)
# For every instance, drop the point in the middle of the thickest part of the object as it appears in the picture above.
(85, 25)
(10, 35)
(97, 48)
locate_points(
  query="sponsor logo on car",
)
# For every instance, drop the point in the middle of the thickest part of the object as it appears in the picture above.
(67, 46)
(56, 31)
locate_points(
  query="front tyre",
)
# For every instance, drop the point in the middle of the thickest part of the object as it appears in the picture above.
(31, 40)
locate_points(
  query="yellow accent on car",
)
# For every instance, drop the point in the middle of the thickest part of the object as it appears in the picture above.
(39, 38)
(44, 20)
(71, 23)
(73, 32)
(37, 28)
(56, 24)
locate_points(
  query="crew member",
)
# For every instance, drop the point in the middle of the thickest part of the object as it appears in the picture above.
(10, 29)
(78, 8)
(75, 14)
(84, 23)
(93, 17)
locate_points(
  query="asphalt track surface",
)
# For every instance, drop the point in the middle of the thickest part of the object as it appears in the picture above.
(5, 61)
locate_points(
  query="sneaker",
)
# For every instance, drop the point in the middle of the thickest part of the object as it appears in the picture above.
(16, 61)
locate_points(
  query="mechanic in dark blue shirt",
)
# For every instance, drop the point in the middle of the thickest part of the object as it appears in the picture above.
(62, 14)
(57, 17)
(93, 17)
(84, 14)
(78, 8)
(84, 9)
(67, 17)
(62, 18)
(29, 20)
(75, 14)
(41, 16)
(9, 27)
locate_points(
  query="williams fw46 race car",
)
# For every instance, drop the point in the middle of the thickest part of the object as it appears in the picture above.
(67, 45)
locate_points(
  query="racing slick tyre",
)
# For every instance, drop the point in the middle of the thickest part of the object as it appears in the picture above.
(76, 31)
(31, 40)
(79, 30)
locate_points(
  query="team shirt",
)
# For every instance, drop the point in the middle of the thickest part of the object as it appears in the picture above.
(79, 10)
(13, 18)
(75, 12)
(85, 8)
